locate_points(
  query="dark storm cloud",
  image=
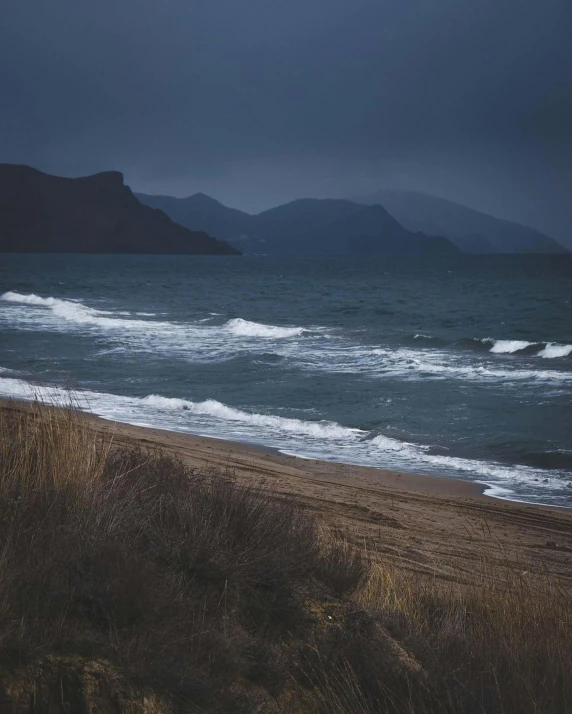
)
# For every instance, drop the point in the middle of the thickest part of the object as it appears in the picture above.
(264, 100)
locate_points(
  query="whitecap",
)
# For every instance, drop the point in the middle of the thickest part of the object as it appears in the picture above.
(246, 328)
(386, 443)
(72, 311)
(509, 346)
(218, 410)
(409, 364)
(552, 350)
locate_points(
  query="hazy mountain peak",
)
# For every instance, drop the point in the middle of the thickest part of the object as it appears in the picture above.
(471, 230)
(305, 226)
(204, 199)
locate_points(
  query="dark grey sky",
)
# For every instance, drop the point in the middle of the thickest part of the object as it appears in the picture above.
(260, 101)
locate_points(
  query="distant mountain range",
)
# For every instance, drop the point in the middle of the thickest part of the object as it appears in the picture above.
(100, 214)
(470, 230)
(96, 214)
(317, 227)
(385, 222)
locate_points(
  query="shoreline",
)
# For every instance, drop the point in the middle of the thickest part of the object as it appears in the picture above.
(429, 527)
(246, 452)
(408, 480)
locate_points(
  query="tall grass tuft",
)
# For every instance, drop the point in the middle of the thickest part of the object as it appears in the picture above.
(187, 581)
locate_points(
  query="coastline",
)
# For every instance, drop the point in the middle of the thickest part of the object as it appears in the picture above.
(430, 526)
(244, 457)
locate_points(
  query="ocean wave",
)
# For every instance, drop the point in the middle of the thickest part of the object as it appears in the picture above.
(410, 364)
(218, 410)
(548, 350)
(73, 311)
(77, 312)
(31, 299)
(386, 443)
(552, 350)
(245, 328)
(318, 439)
(509, 346)
(318, 351)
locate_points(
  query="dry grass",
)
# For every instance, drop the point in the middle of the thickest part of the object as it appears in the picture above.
(226, 598)
(485, 648)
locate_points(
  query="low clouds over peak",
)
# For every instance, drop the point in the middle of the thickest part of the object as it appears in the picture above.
(264, 101)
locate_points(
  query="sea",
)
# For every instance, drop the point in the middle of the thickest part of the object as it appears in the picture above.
(457, 366)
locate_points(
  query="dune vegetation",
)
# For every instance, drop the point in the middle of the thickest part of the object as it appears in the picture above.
(130, 582)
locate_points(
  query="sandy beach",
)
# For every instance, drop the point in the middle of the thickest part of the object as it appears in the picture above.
(431, 527)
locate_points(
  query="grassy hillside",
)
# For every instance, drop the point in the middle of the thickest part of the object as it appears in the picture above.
(130, 583)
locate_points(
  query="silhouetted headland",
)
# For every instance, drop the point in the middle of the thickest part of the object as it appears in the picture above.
(40, 213)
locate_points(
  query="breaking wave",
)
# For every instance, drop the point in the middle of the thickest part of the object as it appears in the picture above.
(317, 351)
(548, 350)
(322, 439)
(75, 311)
(552, 350)
(409, 364)
(509, 346)
(245, 328)
(218, 410)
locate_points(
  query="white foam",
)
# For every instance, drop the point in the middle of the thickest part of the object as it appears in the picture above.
(245, 328)
(509, 346)
(200, 342)
(32, 299)
(496, 491)
(195, 341)
(549, 351)
(409, 364)
(214, 408)
(385, 443)
(73, 311)
(311, 439)
(553, 350)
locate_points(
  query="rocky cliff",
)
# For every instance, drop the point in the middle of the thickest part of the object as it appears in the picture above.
(40, 213)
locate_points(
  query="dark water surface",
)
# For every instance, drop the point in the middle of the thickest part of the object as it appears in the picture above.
(458, 366)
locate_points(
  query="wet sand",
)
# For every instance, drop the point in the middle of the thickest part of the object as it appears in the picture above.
(428, 526)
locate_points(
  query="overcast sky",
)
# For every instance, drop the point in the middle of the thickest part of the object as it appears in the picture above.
(257, 102)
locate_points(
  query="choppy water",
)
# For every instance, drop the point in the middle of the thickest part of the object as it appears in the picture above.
(460, 366)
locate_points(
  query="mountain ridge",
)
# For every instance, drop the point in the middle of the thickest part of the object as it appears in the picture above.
(306, 226)
(471, 230)
(43, 213)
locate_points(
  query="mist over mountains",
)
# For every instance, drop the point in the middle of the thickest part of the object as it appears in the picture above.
(385, 222)
(471, 231)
